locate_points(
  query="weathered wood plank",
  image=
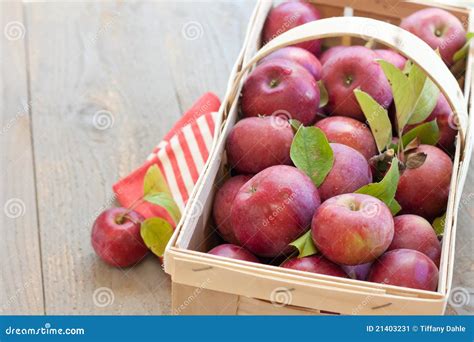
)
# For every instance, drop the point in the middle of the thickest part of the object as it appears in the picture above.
(462, 294)
(21, 290)
(201, 43)
(114, 61)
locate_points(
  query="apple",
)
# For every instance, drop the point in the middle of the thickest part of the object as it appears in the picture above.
(405, 267)
(414, 232)
(424, 190)
(234, 252)
(351, 68)
(326, 55)
(287, 16)
(350, 172)
(358, 272)
(315, 264)
(300, 56)
(439, 29)
(349, 132)
(273, 209)
(223, 204)
(392, 57)
(281, 88)
(446, 121)
(116, 237)
(352, 229)
(259, 142)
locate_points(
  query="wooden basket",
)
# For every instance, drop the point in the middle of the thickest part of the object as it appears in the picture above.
(208, 284)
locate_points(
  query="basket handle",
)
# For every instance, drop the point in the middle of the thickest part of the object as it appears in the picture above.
(390, 35)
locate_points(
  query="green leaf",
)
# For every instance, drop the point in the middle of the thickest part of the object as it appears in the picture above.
(428, 94)
(403, 92)
(166, 201)
(462, 52)
(377, 118)
(428, 133)
(295, 125)
(156, 232)
(311, 153)
(305, 245)
(154, 181)
(407, 67)
(439, 224)
(323, 94)
(394, 207)
(385, 189)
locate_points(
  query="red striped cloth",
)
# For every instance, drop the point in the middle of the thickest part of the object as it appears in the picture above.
(180, 156)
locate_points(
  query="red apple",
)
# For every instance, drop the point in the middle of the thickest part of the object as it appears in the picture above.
(414, 232)
(350, 172)
(273, 209)
(446, 123)
(392, 57)
(300, 56)
(223, 204)
(424, 191)
(352, 229)
(359, 272)
(281, 88)
(259, 142)
(315, 264)
(234, 252)
(116, 237)
(407, 268)
(326, 55)
(287, 16)
(439, 29)
(354, 67)
(349, 132)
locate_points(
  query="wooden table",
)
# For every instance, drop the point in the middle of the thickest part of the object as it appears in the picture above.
(63, 66)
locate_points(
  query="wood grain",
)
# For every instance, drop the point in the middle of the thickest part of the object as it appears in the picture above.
(126, 62)
(21, 290)
(78, 65)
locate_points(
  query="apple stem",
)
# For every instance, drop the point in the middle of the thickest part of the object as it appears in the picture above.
(273, 83)
(130, 218)
(129, 210)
